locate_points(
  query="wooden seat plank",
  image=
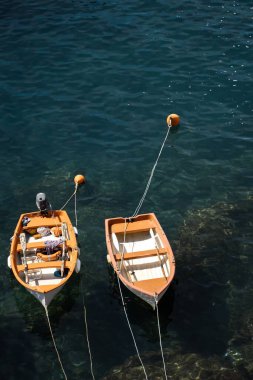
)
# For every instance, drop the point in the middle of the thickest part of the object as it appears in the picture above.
(36, 244)
(45, 264)
(37, 222)
(142, 225)
(140, 254)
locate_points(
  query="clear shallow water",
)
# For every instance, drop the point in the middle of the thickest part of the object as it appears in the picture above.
(86, 87)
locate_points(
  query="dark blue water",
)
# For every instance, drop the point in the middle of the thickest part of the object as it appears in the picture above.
(86, 86)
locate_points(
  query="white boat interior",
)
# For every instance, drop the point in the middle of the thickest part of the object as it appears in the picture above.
(138, 266)
(41, 275)
(38, 276)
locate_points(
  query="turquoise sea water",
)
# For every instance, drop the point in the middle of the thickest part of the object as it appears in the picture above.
(86, 87)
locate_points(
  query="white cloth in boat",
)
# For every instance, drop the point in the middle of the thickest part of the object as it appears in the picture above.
(51, 244)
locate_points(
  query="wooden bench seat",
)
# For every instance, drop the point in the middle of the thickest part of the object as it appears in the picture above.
(140, 254)
(45, 264)
(37, 244)
(37, 222)
(140, 226)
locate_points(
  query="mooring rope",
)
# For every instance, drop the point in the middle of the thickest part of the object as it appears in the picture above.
(151, 175)
(76, 207)
(84, 307)
(87, 332)
(57, 352)
(130, 328)
(65, 204)
(160, 338)
(122, 254)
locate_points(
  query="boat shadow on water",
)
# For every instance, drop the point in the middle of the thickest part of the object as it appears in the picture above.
(139, 312)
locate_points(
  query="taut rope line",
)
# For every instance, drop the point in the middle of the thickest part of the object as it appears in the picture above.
(151, 175)
(65, 204)
(57, 352)
(87, 333)
(160, 338)
(123, 249)
(76, 205)
(84, 307)
(79, 179)
(129, 325)
(172, 120)
(122, 253)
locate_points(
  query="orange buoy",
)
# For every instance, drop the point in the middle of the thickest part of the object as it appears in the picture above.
(79, 179)
(173, 120)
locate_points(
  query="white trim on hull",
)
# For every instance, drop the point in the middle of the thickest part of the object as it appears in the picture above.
(45, 298)
(145, 297)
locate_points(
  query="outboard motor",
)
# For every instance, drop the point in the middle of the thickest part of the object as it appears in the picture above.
(42, 203)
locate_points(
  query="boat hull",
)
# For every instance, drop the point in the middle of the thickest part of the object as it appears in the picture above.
(43, 264)
(149, 299)
(45, 298)
(141, 256)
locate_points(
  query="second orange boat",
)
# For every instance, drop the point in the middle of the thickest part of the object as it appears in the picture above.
(141, 255)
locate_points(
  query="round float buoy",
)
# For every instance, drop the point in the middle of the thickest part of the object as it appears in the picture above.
(173, 120)
(108, 259)
(79, 179)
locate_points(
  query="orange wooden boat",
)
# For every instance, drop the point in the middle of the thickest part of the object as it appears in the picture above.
(141, 256)
(44, 253)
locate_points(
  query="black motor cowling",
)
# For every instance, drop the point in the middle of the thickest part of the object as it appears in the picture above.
(42, 203)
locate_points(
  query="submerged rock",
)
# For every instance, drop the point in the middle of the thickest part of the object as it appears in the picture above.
(178, 367)
(215, 271)
(213, 308)
(240, 347)
(216, 241)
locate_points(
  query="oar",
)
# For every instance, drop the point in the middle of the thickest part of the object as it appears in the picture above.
(23, 246)
(65, 237)
(126, 269)
(63, 257)
(122, 260)
(157, 252)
